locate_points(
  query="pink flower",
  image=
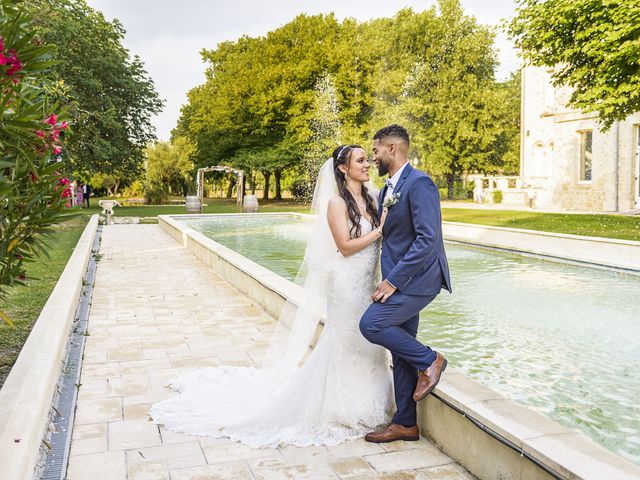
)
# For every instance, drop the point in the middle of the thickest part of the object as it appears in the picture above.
(40, 133)
(3, 60)
(16, 66)
(57, 150)
(64, 125)
(52, 120)
(11, 59)
(55, 135)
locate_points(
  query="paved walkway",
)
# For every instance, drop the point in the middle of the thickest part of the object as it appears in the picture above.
(157, 311)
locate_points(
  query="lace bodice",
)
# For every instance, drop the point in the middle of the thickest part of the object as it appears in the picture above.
(354, 278)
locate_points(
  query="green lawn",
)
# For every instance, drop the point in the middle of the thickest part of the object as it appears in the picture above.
(212, 206)
(23, 305)
(610, 226)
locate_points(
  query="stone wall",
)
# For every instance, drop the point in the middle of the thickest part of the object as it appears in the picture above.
(551, 151)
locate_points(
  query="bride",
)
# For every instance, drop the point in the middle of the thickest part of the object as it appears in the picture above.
(343, 387)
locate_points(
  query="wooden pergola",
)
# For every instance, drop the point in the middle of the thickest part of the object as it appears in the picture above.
(238, 173)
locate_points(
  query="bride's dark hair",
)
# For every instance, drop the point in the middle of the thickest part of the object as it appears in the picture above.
(341, 156)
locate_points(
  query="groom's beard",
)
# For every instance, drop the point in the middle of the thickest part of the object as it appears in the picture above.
(383, 169)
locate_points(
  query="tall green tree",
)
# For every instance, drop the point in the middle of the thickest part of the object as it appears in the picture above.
(110, 97)
(261, 108)
(449, 99)
(505, 152)
(258, 98)
(593, 46)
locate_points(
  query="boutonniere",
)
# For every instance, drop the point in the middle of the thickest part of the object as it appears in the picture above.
(391, 200)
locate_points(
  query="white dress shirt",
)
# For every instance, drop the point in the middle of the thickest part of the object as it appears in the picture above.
(393, 181)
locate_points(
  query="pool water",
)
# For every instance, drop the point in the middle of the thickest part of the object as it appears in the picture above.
(560, 338)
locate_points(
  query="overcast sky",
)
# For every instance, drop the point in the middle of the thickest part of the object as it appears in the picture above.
(168, 35)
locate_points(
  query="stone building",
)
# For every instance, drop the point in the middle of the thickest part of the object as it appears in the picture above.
(566, 161)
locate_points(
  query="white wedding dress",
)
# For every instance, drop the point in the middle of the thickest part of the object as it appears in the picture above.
(341, 391)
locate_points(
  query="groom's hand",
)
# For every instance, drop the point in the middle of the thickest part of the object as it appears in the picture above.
(383, 291)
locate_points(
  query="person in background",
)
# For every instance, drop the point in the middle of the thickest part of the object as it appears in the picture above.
(86, 194)
(478, 192)
(74, 190)
(79, 195)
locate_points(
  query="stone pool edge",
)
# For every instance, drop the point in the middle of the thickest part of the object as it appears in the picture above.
(490, 435)
(592, 251)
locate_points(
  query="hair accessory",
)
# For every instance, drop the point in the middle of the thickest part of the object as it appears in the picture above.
(340, 152)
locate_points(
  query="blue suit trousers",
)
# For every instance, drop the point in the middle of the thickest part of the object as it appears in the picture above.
(394, 325)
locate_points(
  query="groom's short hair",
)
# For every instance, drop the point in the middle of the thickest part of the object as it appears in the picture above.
(392, 131)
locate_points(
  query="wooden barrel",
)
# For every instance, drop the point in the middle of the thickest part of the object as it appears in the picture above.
(193, 204)
(250, 204)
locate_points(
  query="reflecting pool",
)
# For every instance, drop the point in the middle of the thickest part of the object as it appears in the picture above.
(560, 338)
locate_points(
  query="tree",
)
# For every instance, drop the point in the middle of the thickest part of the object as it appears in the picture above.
(32, 191)
(504, 155)
(110, 97)
(593, 47)
(450, 100)
(260, 98)
(168, 168)
(283, 101)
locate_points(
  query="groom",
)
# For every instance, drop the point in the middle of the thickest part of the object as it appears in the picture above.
(414, 269)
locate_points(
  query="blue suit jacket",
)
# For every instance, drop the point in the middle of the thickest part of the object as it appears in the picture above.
(413, 257)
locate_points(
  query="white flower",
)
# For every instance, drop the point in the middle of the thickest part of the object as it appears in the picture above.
(391, 200)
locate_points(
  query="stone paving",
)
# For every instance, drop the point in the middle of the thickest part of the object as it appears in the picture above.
(157, 311)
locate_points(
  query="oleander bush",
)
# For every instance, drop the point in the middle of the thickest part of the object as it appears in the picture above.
(33, 192)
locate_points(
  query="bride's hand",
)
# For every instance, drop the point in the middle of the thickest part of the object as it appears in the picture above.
(383, 217)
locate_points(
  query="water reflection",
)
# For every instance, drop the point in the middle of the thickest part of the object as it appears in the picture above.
(560, 338)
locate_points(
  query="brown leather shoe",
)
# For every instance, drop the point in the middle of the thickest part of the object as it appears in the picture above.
(429, 378)
(394, 432)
